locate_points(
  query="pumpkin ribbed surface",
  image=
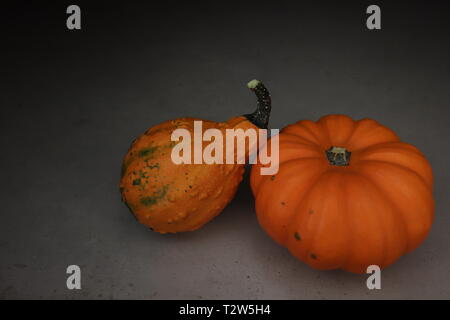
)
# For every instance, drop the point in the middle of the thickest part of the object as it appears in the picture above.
(374, 206)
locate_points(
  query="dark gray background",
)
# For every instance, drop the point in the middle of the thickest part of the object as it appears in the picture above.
(72, 101)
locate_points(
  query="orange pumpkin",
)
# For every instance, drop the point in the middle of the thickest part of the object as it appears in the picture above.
(169, 197)
(348, 194)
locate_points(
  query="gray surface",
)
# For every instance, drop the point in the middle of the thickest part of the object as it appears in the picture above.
(74, 101)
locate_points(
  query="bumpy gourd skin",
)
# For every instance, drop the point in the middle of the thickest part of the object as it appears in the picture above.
(172, 198)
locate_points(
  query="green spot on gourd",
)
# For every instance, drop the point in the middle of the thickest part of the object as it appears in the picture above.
(157, 195)
(272, 178)
(313, 256)
(297, 236)
(153, 166)
(147, 152)
(137, 182)
(142, 174)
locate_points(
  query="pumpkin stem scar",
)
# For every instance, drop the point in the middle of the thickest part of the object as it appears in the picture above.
(338, 156)
(260, 117)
